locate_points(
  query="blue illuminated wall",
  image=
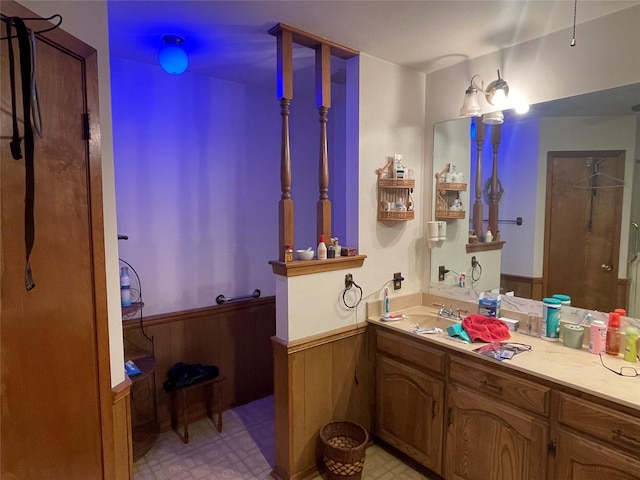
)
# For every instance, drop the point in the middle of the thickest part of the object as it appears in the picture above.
(197, 172)
(197, 182)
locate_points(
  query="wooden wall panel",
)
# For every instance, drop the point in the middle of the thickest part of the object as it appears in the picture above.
(236, 337)
(317, 376)
(123, 447)
(524, 287)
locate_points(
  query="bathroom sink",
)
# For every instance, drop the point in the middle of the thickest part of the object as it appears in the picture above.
(425, 321)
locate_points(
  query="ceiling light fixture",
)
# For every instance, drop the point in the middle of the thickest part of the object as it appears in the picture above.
(496, 94)
(172, 57)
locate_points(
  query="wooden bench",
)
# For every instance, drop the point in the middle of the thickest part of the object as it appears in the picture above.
(180, 395)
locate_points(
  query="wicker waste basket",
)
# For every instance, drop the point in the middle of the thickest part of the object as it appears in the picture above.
(344, 445)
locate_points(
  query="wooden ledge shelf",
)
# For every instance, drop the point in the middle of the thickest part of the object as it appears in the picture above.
(485, 246)
(308, 267)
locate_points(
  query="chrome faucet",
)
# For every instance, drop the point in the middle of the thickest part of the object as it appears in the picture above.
(450, 312)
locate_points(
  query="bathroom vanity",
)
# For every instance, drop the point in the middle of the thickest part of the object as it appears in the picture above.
(549, 413)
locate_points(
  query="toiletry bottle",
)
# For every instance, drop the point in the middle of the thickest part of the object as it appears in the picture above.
(386, 301)
(125, 287)
(613, 334)
(631, 346)
(488, 237)
(322, 249)
(597, 337)
(288, 253)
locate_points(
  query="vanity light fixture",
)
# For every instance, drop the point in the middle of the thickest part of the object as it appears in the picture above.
(172, 57)
(496, 94)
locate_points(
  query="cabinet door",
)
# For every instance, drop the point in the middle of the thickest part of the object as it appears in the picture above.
(409, 411)
(581, 459)
(488, 440)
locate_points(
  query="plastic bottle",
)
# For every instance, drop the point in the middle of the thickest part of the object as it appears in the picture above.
(322, 249)
(288, 253)
(488, 237)
(631, 346)
(125, 287)
(386, 301)
(597, 337)
(613, 334)
(550, 325)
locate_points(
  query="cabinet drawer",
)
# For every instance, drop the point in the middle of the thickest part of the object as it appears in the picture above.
(501, 384)
(412, 351)
(601, 422)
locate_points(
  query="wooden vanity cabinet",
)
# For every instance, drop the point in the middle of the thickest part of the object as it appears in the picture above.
(596, 442)
(409, 397)
(496, 425)
(468, 418)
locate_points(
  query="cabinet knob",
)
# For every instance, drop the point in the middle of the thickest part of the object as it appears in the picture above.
(606, 268)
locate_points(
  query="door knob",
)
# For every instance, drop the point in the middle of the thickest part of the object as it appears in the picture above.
(606, 268)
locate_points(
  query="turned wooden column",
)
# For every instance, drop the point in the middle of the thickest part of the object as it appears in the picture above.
(478, 211)
(493, 194)
(323, 103)
(285, 94)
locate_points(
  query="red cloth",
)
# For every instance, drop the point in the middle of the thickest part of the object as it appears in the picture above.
(485, 329)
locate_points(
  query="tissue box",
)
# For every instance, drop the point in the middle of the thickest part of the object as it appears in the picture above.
(511, 323)
(489, 307)
(348, 252)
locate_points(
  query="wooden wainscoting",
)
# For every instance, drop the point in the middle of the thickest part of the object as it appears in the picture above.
(523, 287)
(123, 447)
(622, 297)
(236, 337)
(315, 383)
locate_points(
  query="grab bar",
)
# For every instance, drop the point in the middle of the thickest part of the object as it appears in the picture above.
(220, 299)
(517, 221)
(635, 243)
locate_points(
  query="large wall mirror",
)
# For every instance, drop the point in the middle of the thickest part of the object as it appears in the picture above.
(570, 170)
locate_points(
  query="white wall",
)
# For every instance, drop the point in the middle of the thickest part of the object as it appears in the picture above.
(389, 119)
(88, 22)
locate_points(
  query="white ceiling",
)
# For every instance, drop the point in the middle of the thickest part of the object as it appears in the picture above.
(229, 39)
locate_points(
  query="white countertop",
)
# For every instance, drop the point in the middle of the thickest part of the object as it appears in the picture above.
(577, 369)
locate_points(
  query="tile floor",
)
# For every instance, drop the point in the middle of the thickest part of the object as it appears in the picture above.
(244, 450)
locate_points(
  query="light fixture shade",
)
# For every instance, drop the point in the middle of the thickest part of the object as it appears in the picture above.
(493, 118)
(172, 57)
(470, 107)
(497, 92)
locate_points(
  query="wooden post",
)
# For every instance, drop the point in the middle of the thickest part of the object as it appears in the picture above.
(478, 211)
(285, 94)
(323, 103)
(493, 195)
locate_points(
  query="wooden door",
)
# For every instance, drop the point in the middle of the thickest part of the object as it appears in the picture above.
(409, 411)
(488, 440)
(581, 459)
(56, 387)
(582, 227)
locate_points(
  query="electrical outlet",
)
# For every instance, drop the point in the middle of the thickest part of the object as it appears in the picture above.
(441, 273)
(397, 281)
(348, 281)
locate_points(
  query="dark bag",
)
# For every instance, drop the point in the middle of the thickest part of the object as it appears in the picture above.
(182, 375)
